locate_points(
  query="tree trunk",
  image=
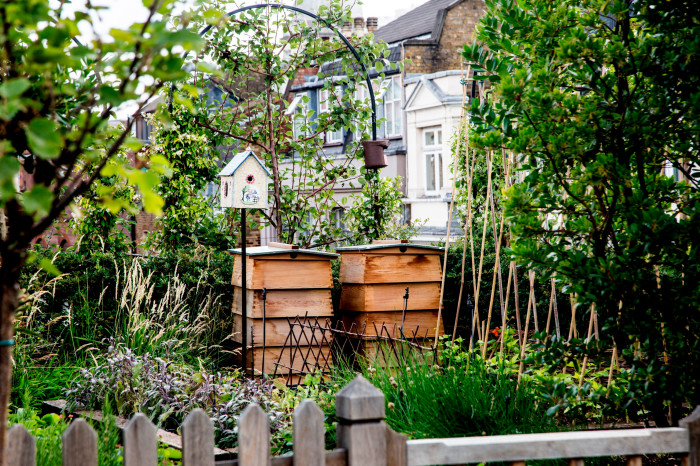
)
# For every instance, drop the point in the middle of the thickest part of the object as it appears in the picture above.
(10, 268)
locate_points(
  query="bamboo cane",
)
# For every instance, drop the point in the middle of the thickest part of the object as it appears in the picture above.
(534, 303)
(613, 363)
(522, 346)
(517, 302)
(556, 310)
(549, 311)
(588, 338)
(572, 328)
(505, 312)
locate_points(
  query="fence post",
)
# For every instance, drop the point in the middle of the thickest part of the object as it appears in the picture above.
(253, 437)
(140, 442)
(360, 410)
(197, 439)
(80, 444)
(309, 442)
(21, 447)
(692, 423)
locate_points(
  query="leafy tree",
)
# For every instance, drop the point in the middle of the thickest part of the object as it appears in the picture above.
(251, 69)
(596, 97)
(57, 95)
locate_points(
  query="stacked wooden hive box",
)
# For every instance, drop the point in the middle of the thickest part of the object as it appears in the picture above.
(298, 282)
(374, 279)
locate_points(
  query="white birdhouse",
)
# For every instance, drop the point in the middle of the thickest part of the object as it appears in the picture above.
(244, 182)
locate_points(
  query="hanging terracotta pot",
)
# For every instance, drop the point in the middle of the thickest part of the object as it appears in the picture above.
(374, 153)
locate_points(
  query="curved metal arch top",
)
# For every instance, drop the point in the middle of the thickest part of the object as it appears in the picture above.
(329, 26)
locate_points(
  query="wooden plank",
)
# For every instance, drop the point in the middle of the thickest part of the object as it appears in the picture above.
(309, 432)
(197, 439)
(517, 463)
(79, 444)
(276, 331)
(423, 320)
(285, 303)
(548, 446)
(272, 355)
(253, 437)
(395, 448)
(337, 457)
(389, 241)
(284, 274)
(389, 297)
(21, 447)
(574, 462)
(140, 442)
(634, 461)
(390, 268)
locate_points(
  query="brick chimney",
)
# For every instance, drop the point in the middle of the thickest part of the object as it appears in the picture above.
(372, 24)
(347, 28)
(359, 26)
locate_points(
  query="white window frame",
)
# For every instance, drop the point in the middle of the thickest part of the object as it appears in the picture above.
(297, 110)
(393, 113)
(434, 176)
(324, 96)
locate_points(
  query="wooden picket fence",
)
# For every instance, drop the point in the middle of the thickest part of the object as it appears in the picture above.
(364, 440)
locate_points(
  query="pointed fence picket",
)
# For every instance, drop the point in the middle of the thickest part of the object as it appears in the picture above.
(363, 440)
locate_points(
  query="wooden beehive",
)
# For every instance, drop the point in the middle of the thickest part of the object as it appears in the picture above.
(374, 279)
(298, 283)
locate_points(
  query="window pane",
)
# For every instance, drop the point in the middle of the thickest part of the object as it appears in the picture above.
(438, 166)
(397, 119)
(430, 172)
(429, 138)
(439, 136)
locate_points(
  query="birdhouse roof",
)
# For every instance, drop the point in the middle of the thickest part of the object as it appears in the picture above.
(238, 160)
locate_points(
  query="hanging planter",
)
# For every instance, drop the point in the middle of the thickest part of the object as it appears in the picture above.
(374, 153)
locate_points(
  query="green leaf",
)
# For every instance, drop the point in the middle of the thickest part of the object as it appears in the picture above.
(14, 87)
(9, 167)
(110, 96)
(37, 200)
(44, 138)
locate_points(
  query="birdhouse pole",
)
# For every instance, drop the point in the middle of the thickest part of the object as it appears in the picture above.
(244, 292)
